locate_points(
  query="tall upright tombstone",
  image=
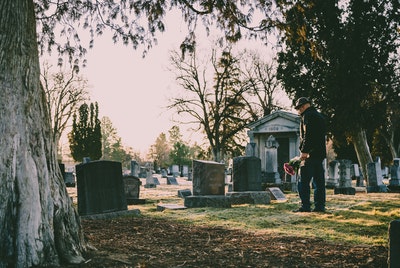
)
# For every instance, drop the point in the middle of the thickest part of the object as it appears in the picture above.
(394, 244)
(246, 173)
(100, 187)
(356, 175)
(375, 179)
(345, 182)
(394, 181)
(271, 168)
(247, 186)
(333, 175)
(135, 168)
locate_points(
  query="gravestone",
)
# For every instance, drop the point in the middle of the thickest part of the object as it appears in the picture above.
(394, 181)
(345, 183)
(135, 168)
(171, 180)
(100, 187)
(375, 180)
(132, 190)
(175, 171)
(164, 173)
(394, 244)
(208, 178)
(277, 194)
(246, 174)
(208, 185)
(185, 192)
(70, 179)
(185, 171)
(356, 175)
(250, 149)
(333, 175)
(271, 156)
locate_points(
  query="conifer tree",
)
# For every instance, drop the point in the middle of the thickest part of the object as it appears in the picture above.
(85, 137)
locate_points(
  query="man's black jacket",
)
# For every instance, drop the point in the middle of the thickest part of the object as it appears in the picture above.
(312, 134)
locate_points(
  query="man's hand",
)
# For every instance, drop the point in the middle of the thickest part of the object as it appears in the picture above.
(304, 156)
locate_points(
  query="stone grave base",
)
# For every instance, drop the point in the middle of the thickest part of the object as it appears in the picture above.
(267, 185)
(162, 207)
(183, 193)
(110, 215)
(345, 190)
(249, 197)
(377, 189)
(394, 188)
(289, 186)
(135, 201)
(199, 201)
(150, 185)
(360, 189)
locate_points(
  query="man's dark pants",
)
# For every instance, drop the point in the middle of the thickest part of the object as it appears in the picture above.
(312, 169)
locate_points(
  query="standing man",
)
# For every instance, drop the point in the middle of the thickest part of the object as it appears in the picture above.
(313, 152)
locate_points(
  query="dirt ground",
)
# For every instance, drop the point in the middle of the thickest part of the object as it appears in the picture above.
(148, 242)
(145, 242)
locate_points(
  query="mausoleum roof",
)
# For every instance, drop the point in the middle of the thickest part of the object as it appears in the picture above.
(277, 121)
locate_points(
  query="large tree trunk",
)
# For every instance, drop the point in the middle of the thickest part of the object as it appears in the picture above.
(362, 150)
(38, 225)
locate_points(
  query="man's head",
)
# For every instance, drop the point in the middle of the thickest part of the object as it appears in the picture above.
(302, 104)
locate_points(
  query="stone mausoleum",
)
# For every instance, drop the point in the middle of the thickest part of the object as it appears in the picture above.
(275, 139)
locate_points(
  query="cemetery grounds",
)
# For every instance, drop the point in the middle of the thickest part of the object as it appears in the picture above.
(353, 232)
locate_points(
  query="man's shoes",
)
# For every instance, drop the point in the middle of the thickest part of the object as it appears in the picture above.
(301, 209)
(320, 210)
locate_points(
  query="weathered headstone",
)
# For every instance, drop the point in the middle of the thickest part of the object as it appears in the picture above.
(100, 187)
(208, 185)
(345, 183)
(151, 182)
(171, 180)
(277, 194)
(394, 181)
(246, 174)
(375, 180)
(333, 175)
(250, 149)
(132, 190)
(175, 171)
(164, 173)
(185, 171)
(394, 244)
(185, 192)
(69, 179)
(135, 168)
(208, 178)
(271, 156)
(356, 175)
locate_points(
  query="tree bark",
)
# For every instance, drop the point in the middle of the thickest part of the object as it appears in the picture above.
(362, 150)
(38, 224)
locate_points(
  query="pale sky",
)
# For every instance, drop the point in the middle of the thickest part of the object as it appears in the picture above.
(133, 91)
